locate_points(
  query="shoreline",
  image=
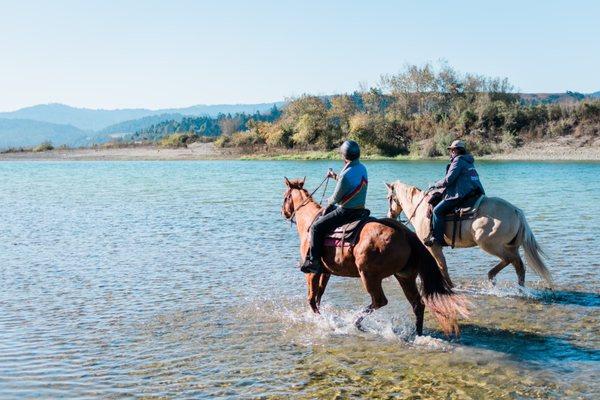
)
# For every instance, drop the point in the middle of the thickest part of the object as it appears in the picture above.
(562, 149)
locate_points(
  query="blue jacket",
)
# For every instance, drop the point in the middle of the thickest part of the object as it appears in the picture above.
(351, 188)
(461, 178)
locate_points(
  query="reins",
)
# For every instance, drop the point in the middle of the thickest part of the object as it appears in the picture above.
(395, 199)
(309, 198)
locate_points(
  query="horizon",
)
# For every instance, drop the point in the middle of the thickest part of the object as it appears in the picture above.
(108, 55)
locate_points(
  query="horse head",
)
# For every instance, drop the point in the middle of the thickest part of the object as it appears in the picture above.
(394, 208)
(288, 208)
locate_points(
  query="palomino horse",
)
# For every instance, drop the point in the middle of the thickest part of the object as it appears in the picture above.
(384, 248)
(498, 228)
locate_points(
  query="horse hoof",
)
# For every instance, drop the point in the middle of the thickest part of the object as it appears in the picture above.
(358, 324)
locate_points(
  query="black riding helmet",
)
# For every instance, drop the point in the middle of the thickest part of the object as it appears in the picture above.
(350, 150)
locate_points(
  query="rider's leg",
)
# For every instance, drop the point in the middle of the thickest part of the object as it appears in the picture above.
(439, 220)
(319, 231)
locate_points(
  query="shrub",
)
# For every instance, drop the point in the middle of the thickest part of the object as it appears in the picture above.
(467, 120)
(177, 140)
(480, 146)
(509, 140)
(44, 146)
(442, 139)
(491, 115)
(560, 128)
(589, 111)
(223, 141)
(515, 120)
(246, 139)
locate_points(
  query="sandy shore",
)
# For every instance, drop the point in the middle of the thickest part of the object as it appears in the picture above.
(558, 149)
(565, 148)
(195, 151)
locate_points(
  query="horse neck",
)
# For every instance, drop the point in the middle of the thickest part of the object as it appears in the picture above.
(305, 215)
(408, 199)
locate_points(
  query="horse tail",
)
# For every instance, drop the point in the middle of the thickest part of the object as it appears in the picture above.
(436, 289)
(533, 251)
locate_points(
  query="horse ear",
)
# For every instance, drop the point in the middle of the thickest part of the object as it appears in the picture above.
(286, 181)
(389, 185)
(301, 184)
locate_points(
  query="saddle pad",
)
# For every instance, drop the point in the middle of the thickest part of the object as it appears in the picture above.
(331, 242)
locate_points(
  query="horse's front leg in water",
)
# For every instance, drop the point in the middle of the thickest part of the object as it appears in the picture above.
(312, 284)
(322, 285)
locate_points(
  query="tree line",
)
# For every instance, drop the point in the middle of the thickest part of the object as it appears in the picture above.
(418, 110)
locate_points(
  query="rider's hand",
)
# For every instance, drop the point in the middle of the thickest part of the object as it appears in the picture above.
(331, 174)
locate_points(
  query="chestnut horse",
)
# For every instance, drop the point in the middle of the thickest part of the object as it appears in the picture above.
(384, 248)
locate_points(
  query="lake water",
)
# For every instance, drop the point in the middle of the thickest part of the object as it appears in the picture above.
(178, 279)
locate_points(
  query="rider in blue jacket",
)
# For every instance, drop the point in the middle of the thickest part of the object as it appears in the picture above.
(461, 181)
(349, 195)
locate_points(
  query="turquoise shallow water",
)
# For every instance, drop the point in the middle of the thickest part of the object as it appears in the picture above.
(177, 279)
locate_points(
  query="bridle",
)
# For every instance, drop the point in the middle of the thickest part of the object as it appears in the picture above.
(393, 199)
(293, 214)
(305, 202)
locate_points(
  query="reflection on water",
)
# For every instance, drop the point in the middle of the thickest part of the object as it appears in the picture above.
(177, 280)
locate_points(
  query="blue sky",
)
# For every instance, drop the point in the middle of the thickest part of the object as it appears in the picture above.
(116, 54)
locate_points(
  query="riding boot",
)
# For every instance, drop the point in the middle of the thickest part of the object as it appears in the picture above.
(311, 266)
(429, 240)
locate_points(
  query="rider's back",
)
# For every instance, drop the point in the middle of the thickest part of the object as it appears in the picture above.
(461, 178)
(351, 190)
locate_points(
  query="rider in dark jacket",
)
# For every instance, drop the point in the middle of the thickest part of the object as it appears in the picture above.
(349, 195)
(461, 181)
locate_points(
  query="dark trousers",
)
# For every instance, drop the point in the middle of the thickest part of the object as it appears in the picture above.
(326, 224)
(438, 218)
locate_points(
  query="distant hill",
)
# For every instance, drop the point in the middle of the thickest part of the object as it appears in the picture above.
(554, 98)
(28, 133)
(97, 120)
(135, 125)
(203, 126)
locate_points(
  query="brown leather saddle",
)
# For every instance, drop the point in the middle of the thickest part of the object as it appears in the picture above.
(347, 234)
(467, 210)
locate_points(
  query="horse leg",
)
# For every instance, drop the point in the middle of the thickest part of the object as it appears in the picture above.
(378, 299)
(519, 269)
(322, 285)
(437, 253)
(409, 286)
(495, 270)
(312, 285)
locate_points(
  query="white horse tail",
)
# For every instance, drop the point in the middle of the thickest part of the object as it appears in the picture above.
(533, 251)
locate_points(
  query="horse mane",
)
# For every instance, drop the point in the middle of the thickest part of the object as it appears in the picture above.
(411, 191)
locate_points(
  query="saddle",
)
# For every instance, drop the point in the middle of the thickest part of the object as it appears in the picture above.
(347, 235)
(467, 210)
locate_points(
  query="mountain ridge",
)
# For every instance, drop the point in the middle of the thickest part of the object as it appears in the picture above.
(98, 119)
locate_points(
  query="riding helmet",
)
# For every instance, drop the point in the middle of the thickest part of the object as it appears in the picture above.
(350, 150)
